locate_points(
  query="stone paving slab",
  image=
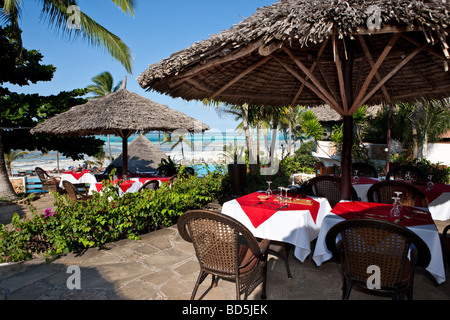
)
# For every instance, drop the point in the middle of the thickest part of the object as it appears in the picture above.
(162, 266)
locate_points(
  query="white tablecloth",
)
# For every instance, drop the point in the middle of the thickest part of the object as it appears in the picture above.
(295, 227)
(86, 177)
(428, 233)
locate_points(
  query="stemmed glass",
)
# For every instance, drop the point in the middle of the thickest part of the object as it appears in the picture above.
(355, 178)
(430, 183)
(280, 195)
(269, 191)
(397, 195)
(395, 211)
(285, 198)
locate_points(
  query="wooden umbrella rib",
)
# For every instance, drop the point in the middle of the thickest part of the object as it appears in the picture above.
(313, 66)
(358, 101)
(338, 64)
(314, 80)
(308, 85)
(390, 75)
(240, 76)
(372, 63)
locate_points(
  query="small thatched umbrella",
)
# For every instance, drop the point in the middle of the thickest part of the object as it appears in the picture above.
(341, 53)
(143, 155)
(121, 113)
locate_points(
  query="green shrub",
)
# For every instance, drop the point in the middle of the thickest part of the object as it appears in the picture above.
(105, 218)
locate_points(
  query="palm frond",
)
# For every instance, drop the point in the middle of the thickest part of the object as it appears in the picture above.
(126, 5)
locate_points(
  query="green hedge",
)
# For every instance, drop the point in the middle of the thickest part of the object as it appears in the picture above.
(106, 218)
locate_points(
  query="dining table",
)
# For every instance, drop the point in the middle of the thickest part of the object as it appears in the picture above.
(78, 178)
(415, 219)
(130, 185)
(438, 200)
(362, 185)
(297, 223)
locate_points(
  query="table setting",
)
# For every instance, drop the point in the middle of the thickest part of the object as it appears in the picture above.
(281, 216)
(418, 220)
(81, 177)
(130, 185)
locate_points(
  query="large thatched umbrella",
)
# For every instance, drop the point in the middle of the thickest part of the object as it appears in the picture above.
(121, 113)
(342, 53)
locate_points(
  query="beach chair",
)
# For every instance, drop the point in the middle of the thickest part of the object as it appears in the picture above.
(74, 193)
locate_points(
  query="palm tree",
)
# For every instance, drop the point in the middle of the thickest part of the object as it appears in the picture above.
(104, 85)
(65, 15)
(11, 156)
(181, 139)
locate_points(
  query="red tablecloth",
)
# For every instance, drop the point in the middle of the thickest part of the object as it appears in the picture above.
(438, 189)
(370, 210)
(259, 211)
(365, 180)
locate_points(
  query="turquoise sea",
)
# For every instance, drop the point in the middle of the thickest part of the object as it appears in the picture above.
(207, 147)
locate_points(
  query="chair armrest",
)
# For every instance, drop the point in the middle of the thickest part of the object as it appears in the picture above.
(446, 229)
(264, 246)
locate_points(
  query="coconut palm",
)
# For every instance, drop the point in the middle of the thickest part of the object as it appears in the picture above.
(66, 16)
(11, 156)
(104, 85)
(179, 142)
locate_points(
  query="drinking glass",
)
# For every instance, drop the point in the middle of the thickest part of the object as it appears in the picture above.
(269, 191)
(397, 195)
(430, 183)
(355, 178)
(395, 211)
(280, 195)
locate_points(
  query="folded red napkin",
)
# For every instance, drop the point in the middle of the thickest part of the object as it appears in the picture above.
(436, 191)
(259, 211)
(371, 210)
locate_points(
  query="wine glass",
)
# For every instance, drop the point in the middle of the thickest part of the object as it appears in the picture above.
(355, 178)
(397, 195)
(269, 191)
(395, 211)
(280, 194)
(430, 183)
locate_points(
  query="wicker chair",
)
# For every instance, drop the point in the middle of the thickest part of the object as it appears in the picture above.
(445, 241)
(371, 242)
(48, 183)
(328, 187)
(400, 172)
(382, 192)
(227, 249)
(150, 185)
(74, 193)
(365, 170)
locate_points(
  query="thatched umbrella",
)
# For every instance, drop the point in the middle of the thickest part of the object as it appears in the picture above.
(143, 155)
(341, 53)
(121, 113)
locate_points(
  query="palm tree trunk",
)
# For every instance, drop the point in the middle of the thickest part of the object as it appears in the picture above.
(6, 188)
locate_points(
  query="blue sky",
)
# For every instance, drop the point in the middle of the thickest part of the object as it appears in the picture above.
(158, 29)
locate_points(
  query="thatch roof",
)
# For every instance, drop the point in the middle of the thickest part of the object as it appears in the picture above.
(257, 54)
(121, 110)
(143, 155)
(326, 114)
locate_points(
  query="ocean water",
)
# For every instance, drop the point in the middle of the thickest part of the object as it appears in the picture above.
(207, 148)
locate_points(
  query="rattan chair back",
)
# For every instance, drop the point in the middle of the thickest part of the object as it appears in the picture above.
(328, 187)
(365, 170)
(382, 192)
(369, 242)
(401, 171)
(42, 175)
(150, 185)
(225, 248)
(73, 192)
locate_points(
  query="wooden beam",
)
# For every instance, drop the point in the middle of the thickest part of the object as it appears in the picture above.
(314, 80)
(372, 64)
(311, 69)
(357, 103)
(418, 44)
(267, 49)
(309, 85)
(338, 64)
(392, 73)
(240, 76)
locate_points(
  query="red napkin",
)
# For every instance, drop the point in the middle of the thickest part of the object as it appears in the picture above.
(371, 210)
(125, 185)
(259, 212)
(76, 175)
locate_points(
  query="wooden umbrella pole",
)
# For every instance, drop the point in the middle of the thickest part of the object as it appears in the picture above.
(346, 157)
